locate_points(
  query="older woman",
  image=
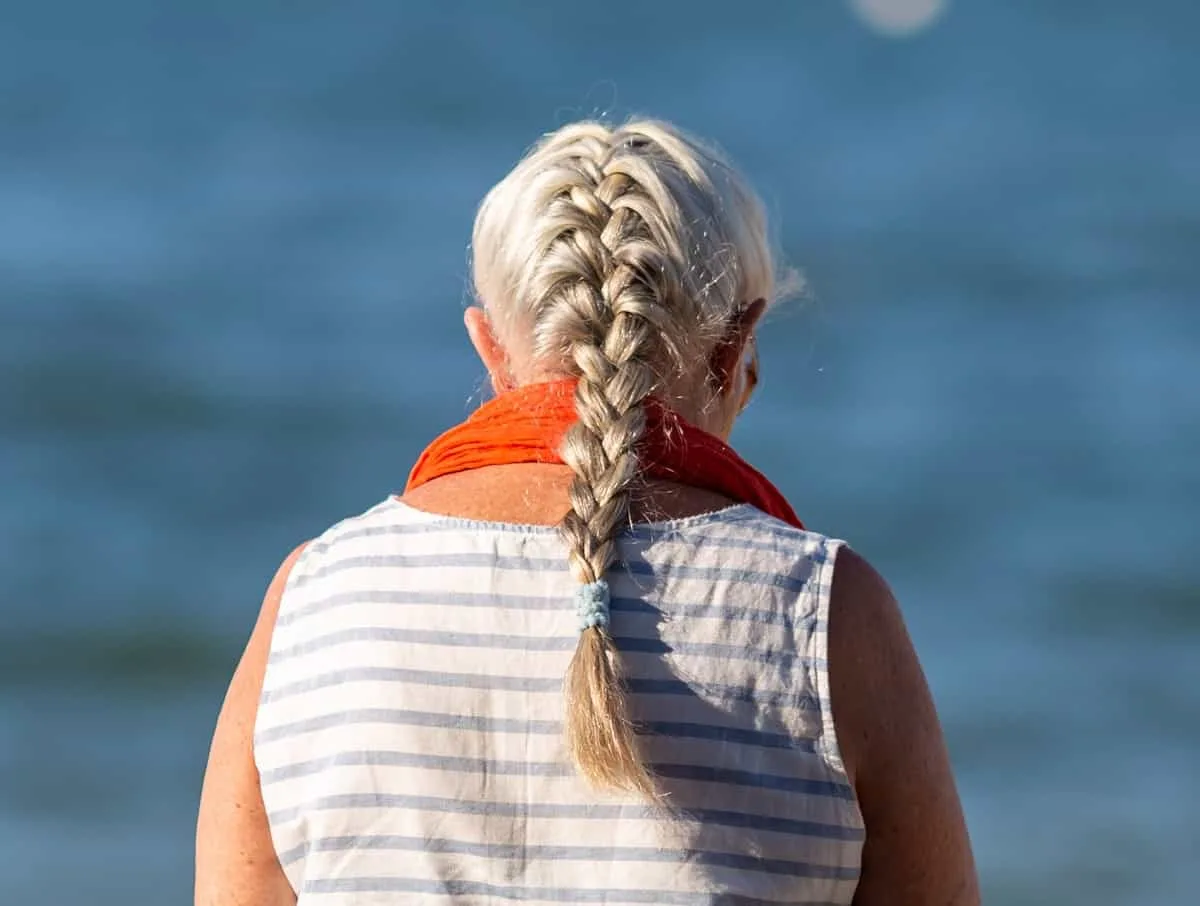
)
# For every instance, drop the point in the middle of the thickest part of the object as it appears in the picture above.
(590, 655)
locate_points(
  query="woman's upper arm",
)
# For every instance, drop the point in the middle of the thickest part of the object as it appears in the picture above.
(917, 851)
(236, 863)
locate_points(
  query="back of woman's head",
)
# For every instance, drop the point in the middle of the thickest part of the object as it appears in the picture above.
(620, 257)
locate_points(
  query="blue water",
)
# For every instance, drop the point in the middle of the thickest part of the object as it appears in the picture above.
(232, 265)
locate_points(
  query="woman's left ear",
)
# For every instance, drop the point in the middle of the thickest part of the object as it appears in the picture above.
(488, 348)
(728, 354)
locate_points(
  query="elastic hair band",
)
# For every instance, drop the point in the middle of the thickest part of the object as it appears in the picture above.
(591, 604)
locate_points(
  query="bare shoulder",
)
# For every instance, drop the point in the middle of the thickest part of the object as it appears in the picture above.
(265, 624)
(917, 850)
(235, 859)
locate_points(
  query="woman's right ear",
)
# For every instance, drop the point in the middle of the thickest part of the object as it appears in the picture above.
(488, 348)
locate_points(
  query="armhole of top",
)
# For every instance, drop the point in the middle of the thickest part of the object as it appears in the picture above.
(824, 586)
(300, 566)
(309, 557)
(283, 840)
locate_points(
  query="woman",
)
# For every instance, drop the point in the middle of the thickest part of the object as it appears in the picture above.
(590, 655)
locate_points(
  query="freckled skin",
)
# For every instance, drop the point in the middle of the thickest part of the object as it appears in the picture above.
(235, 860)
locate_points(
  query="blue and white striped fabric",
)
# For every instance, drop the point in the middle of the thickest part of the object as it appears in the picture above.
(409, 736)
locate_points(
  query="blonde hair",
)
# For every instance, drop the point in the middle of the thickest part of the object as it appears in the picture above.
(618, 256)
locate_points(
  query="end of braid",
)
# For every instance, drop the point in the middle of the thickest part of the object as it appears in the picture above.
(600, 735)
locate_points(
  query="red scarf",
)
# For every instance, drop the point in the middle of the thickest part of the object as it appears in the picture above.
(528, 425)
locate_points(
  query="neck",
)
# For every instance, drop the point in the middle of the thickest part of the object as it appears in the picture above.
(537, 494)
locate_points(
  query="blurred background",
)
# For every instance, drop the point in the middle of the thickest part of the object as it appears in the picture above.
(233, 258)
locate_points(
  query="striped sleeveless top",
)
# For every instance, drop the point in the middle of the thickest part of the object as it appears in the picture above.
(409, 735)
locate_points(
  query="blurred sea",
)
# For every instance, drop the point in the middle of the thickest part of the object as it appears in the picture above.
(232, 266)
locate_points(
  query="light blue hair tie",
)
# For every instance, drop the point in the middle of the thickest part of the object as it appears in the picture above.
(591, 603)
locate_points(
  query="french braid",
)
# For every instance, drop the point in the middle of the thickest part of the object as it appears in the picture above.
(627, 251)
